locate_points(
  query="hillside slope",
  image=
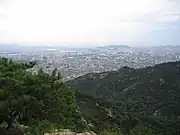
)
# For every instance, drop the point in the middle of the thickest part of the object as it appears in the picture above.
(128, 100)
(40, 101)
(150, 93)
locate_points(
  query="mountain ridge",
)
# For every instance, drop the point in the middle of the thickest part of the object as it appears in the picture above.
(147, 93)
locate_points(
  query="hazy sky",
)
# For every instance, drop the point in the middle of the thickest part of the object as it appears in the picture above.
(90, 22)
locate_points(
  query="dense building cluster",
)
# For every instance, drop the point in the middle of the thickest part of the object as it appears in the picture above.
(77, 62)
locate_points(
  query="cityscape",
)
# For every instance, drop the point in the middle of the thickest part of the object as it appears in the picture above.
(89, 67)
(75, 62)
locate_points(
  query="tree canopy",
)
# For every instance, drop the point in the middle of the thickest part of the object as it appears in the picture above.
(147, 99)
(27, 97)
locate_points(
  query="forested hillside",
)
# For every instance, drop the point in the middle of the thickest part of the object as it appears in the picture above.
(150, 94)
(126, 102)
(36, 100)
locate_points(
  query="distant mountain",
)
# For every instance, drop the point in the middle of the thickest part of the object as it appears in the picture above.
(151, 94)
(10, 48)
(13, 48)
(119, 46)
(115, 46)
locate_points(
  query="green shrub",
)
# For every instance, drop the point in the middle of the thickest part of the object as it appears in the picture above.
(111, 132)
(41, 127)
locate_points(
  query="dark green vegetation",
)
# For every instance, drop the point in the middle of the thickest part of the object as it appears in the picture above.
(136, 101)
(36, 100)
(149, 96)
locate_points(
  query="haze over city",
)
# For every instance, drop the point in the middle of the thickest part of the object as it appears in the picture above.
(83, 36)
(90, 22)
(89, 67)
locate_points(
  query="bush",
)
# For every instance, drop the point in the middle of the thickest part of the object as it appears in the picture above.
(111, 132)
(41, 127)
(43, 97)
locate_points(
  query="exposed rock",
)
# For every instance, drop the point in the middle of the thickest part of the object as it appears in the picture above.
(68, 132)
(90, 125)
(86, 133)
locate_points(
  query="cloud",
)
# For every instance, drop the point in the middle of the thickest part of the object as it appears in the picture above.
(2, 1)
(85, 22)
(2, 16)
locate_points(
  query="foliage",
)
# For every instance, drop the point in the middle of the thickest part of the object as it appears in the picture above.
(150, 95)
(43, 96)
(40, 127)
(111, 132)
(139, 130)
(138, 101)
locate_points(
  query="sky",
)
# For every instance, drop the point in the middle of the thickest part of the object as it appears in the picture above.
(90, 22)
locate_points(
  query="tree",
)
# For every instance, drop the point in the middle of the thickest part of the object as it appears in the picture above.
(26, 97)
